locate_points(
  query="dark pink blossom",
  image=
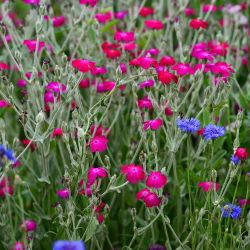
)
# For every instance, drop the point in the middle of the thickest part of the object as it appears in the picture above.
(222, 68)
(148, 83)
(28, 225)
(20, 246)
(198, 23)
(98, 131)
(167, 61)
(209, 8)
(134, 173)
(167, 77)
(57, 132)
(123, 68)
(21, 83)
(85, 83)
(189, 12)
(3, 66)
(152, 200)
(83, 65)
(145, 102)
(156, 180)
(55, 87)
(181, 69)
(98, 143)
(31, 45)
(58, 21)
(145, 11)
(142, 194)
(154, 24)
(63, 193)
(103, 17)
(209, 186)
(95, 173)
(120, 14)
(122, 36)
(105, 87)
(92, 3)
(153, 124)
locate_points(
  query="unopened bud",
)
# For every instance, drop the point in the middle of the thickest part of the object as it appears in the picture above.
(40, 117)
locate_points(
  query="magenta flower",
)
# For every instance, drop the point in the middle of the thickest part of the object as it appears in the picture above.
(156, 180)
(134, 173)
(148, 83)
(243, 202)
(152, 200)
(208, 186)
(120, 14)
(6, 190)
(92, 3)
(98, 143)
(48, 97)
(147, 62)
(198, 23)
(21, 83)
(123, 68)
(20, 246)
(85, 83)
(189, 12)
(181, 68)
(58, 21)
(154, 24)
(55, 87)
(99, 71)
(142, 194)
(123, 36)
(4, 104)
(64, 193)
(57, 132)
(94, 173)
(103, 17)
(83, 65)
(153, 124)
(222, 68)
(167, 61)
(32, 1)
(3, 66)
(28, 225)
(209, 7)
(105, 87)
(145, 102)
(31, 45)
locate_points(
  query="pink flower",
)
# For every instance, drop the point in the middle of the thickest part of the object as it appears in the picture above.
(189, 12)
(153, 124)
(63, 193)
(86, 190)
(168, 111)
(103, 18)
(32, 1)
(48, 97)
(31, 45)
(16, 163)
(181, 68)
(167, 77)
(156, 180)
(241, 153)
(58, 21)
(98, 131)
(152, 51)
(147, 62)
(222, 68)
(112, 53)
(243, 202)
(120, 14)
(4, 104)
(209, 7)
(6, 190)
(198, 23)
(98, 143)
(100, 218)
(99, 71)
(134, 173)
(244, 60)
(123, 68)
(154, 24)
(152, 200)
(105, 87)
(148, 83)
(21, 83)
(28, 225)
(85, 83)
(142, 194)
(209, 186)
(145, 102)
(20, 246)
(57, 132)
(83, 65)
(145, 11)
(92, 3)
(3, 66)
(124, 36)
(167, 60)
(94, 173)
(55, 87)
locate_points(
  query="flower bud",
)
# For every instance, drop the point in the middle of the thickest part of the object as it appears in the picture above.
(40, 117)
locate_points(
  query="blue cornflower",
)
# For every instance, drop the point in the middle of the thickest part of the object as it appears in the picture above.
(212, 131)
(6, 152)
(68, 245)
(231, 211)
(188, 124)
(235, 159)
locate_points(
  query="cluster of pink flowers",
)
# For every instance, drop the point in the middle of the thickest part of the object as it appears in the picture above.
(5, 188)
(156, 180)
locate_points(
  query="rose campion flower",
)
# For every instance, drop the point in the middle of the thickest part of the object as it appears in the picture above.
(32, 1)
(145, 102)
(98, 143)
(28, 225)
(4, 104)
(145, 11)
(198, 23)
(31, 45)
(134, 173)
(63, 193)
(99, 130)
(209, 186)
(3, 66)
(55, 87)
(100, 218)
(167, 61)
(6, 190)
(103, 17)
(142, 194)
(243, 202)
(99, 71)
(154, 24)
(57, 132)
(209, 8)
(153, 124)
(181, 69)
(222, 68)
(148, 83)
(105, 87)
(152, 200)
(120, 14)
(167, 77)
(241, 153)
(49, 97)
(20, 246)
(94, 173)
(156, 180)
(124, 36)
(85, 83)
(189, 12)
(147, 62)
(26, 142)
(112, 53)
(21, 83)
(83, 65)
(123, 68)
(58, 21)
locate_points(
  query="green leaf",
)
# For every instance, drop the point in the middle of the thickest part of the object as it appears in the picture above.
(109, 26)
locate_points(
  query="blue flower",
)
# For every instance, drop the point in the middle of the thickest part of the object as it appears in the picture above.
(188, 124)
(231, 211)
(6, 152)
(212, 131)
(235, 159)
(68, 245)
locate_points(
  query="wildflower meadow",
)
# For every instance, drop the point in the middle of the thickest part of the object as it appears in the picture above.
(124, 124)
